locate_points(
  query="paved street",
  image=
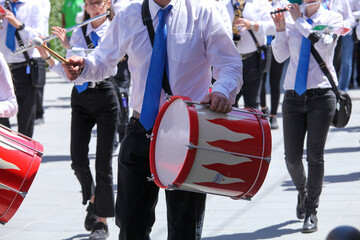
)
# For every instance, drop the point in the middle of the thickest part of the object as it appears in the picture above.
(53, 210)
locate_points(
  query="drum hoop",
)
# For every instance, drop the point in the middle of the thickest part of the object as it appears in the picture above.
(190, 156)
(263, 153)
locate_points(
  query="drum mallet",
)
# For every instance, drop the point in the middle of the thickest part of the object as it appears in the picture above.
(40, 43)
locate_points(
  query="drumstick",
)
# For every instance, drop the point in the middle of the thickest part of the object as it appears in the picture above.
(40, 43)
(302, 5)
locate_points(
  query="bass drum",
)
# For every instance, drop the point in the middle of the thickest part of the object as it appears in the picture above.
(20, 159)
(195, 149)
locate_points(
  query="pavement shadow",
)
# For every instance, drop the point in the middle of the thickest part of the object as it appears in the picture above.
(346, 129)
(78, 237)
(271, 232)
(351, 177)
(342, 150)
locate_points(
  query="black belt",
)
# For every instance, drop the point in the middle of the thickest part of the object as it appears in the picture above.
(97, 84)
(14, 66)
(136, 114)
(310, 92)
(247, 55)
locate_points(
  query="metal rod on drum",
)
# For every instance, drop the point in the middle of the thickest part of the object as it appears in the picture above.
(53, 36)
(233, 109)
(302, 5)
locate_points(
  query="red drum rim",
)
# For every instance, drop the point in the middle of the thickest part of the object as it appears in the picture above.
(193, 138)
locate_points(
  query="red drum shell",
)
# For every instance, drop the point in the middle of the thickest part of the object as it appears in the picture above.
(20, 159)
(231, 152)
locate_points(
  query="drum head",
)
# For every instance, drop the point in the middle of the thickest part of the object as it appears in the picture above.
(169, 154)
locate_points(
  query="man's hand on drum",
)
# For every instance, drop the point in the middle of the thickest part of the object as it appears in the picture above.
(218, 102)
(74, 67)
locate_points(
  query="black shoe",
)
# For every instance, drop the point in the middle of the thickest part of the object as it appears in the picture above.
(91, 218)
(300, 207)
(100, 231)
(265, 111)
(310, 224)
(273, 123)
(39, 121)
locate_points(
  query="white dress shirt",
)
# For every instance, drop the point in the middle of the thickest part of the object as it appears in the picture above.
(287, 44)
(29, 13)
(79, 46)
(258, 11)
(8, 104)
(196, 40)
(225, 16)
(343, 7)
(120, 5)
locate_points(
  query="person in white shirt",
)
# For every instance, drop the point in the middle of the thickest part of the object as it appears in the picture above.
(193, 46)
(255, 17)
(308, 106)
(28, 23)
(39, 116)
(94, 104)
(8, 104)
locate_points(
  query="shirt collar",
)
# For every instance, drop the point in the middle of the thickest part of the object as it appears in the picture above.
(317, 15)
(100, 31)
(154, 8)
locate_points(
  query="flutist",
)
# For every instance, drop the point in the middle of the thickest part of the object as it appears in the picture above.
(25, 20)
(309, 103)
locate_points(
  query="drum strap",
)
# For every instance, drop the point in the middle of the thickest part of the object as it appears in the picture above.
(146, 17)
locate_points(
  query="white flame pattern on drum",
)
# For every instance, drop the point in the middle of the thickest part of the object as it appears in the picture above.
(206, 157)
(5, 143)
(6, 165)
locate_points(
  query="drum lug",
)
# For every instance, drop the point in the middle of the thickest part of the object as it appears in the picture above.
(150, 136)
(168, 97)
(191, 146)
(241, 198)
(151, 179)
(172, 187)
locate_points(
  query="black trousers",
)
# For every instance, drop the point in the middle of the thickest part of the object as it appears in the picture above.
(274, 79)
(5, 122)
(94, 106)
(252, 82)
(137, 197)
(26, 99)
(309, 114)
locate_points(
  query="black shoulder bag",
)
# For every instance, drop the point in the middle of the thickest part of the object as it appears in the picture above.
(265, 54)
(343, 105)
(37, 65)
(146, 17)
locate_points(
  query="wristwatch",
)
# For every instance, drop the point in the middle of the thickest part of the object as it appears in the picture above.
(252, 25)
(21, 27)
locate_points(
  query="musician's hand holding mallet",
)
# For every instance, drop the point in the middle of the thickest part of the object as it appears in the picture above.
(74, 67)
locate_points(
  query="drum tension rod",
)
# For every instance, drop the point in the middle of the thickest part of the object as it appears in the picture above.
(151, 179)
(150, 136)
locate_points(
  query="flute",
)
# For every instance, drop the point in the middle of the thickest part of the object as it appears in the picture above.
(302, 5)
(53, 36)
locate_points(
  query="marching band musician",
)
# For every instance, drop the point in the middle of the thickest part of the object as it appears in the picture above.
(190, 48)
(255, 17)
(92, 103)
(8, 104)
(309, 103)
(25, 18)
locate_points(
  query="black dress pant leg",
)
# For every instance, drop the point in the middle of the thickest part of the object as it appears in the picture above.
(26, 99)
(5, 122)
(136, 196)
(105, 108)
(82, 123)
(252, 83)
(311, 115)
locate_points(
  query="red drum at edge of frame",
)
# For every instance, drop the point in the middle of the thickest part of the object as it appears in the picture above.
(195, 149)
(20, 159)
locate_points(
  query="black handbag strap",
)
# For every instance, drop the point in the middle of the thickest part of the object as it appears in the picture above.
(88, 41)
(255, 40)
(18, 38)
(146, 17)
(326, 71)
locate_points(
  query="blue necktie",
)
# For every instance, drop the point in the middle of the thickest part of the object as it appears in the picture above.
(10, 34)
(150, 107)
(303, 65)
(94, 40)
